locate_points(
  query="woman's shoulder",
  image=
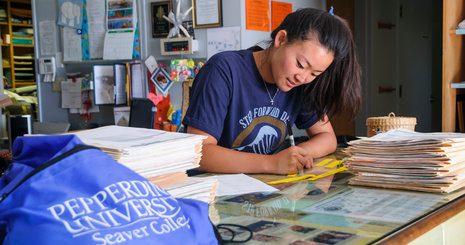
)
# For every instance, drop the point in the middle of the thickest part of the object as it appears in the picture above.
(228, 57)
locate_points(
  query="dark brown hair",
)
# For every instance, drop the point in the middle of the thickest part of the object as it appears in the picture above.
(338, 88)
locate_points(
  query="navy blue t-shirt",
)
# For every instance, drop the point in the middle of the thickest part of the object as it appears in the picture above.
(229, 101)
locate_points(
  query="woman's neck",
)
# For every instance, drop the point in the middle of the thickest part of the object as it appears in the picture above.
(264, 65)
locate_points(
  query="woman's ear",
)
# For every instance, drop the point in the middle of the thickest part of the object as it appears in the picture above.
(280, 39)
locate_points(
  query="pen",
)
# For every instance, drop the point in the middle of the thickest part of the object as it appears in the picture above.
(291, 139)
(289, 131)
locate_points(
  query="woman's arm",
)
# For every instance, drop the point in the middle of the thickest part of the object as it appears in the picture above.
(322, 140)
(219, 159)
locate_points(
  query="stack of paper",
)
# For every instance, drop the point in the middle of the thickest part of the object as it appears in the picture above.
(160, 156)
(203, 189)
(431, 162)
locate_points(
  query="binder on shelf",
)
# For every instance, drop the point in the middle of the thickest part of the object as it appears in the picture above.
(120, 84)
(110, 84)
(136, 81)
(104, 84)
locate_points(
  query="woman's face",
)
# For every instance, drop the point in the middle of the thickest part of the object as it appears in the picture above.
(297, 63)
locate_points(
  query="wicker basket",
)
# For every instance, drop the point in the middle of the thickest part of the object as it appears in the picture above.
(383, 124)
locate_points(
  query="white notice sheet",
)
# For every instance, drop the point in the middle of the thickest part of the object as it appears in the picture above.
(72, 50)
(71, 94)
(96, 27)
(118, 45)
(47, 37)
(223, 39)
(236, 184)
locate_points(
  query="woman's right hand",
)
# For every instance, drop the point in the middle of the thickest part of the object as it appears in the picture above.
(291, 160)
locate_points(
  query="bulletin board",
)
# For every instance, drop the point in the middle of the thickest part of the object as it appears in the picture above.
(98, 30)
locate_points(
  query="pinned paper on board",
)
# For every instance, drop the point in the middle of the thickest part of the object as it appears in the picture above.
(151, 64)
(71, 94)
(72, 48)
(161, 80)
(223, 39)
(120, 14)
(95, 13)
(121, 22)
(279, 11)
(257, 15)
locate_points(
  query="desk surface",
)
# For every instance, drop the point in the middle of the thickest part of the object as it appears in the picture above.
(329, 211)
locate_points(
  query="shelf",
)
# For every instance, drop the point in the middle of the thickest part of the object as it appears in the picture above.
(21, 24)
(21, 1)
(23, 75)
(18, 76)
(23, 45)
(25, 83)
(7, 67)
(17, 1)
(460, 31)
(457, 85)
(96, 61)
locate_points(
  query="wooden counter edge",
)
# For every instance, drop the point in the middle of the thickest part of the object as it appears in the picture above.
(425, 224)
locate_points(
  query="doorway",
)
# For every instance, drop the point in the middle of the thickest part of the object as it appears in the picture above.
(400, 44)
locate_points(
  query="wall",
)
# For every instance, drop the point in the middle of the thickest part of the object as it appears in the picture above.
(230, 8)
(49, 102)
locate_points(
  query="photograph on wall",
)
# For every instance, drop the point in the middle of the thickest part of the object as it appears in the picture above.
(161, 80)
(207, 13)
(160, 26)
(189, 26)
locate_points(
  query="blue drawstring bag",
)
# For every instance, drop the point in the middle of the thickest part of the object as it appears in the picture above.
(59, 191)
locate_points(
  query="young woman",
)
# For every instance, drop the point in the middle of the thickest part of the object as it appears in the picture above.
(242, 99)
